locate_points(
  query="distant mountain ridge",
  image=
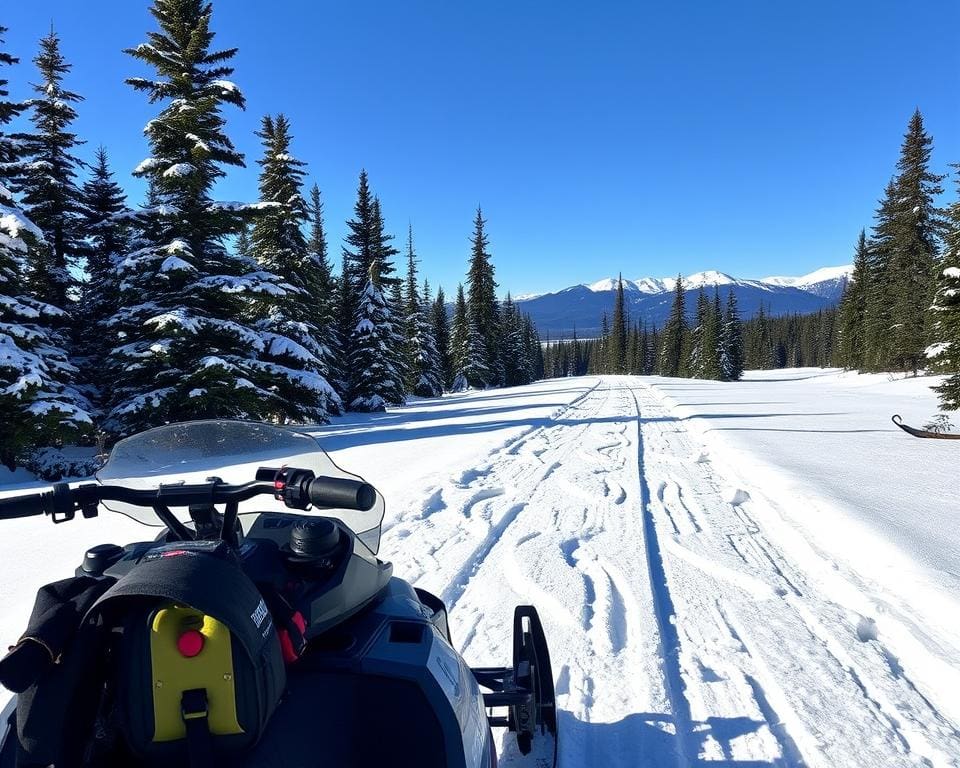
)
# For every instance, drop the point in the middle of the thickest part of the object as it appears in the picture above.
(581, 307)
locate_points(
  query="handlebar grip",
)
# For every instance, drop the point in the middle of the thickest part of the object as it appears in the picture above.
(22, 506)
(342, 493)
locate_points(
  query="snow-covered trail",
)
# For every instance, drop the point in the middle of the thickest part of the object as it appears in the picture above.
(692, 619)
(682, 632)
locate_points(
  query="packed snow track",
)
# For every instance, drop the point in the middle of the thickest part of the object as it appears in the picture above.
(681, 634)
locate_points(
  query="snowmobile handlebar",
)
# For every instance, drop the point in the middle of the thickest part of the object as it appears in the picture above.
(297, 488)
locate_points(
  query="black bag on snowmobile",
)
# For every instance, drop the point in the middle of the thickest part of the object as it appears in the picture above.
(199, 670)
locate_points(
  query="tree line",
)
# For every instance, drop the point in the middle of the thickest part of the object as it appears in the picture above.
(117, 317)
(711, 347)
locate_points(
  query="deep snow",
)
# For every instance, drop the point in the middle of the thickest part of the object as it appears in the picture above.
(751, 574)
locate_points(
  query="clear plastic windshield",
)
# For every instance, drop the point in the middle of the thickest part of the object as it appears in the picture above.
(193, 452)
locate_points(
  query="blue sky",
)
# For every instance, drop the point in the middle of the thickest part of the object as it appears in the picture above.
(750, 137)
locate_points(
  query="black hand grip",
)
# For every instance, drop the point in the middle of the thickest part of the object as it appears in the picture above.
(23, 506)
(342, 493)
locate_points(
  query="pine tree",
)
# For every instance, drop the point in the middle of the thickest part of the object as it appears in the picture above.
(422, 364)
(47, 181)
(242, 245)
(514, 349)
(467, 349)
(877, 309)
(731, 360)
(712, 339)
(390, 285)
(673, 338)
(290, 326)
(482, 305)
(915, 247)
(375, 380)
(323, 287)
(944, 352)
(108, 225)
(441, 333)
(696, 362)
(185, 351)
(617, 344)
(38, 405)
(357, 257)
(853, 310)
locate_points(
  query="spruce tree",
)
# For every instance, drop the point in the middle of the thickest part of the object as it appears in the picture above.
(38, 404)
(696, 362)
(376, 382)
(712, 339)
(467, 348)
(617, 343)
(482, 305)
(732, 357)
(441, 334)
(323, 289)
(877, 309)
(673, 338)
(290, 326)
(390, 285)
(185, 350)
(422, 365)
(944, 352)
(108, 225)
(853, 310)
(47, 181)
(357, 257)
(915, 247)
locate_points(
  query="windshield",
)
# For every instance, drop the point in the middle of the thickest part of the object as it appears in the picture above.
(194, 452)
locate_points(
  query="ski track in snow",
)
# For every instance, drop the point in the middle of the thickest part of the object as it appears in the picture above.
(681, 633)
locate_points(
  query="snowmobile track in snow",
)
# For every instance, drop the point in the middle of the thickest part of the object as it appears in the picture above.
(682, 630)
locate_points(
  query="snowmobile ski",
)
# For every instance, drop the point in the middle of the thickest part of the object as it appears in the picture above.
(923, 432)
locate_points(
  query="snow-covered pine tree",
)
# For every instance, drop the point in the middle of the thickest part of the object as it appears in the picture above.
(357, 257)
(513, 350)
(376, 382)
(673, 339)
(460, 335)
(732, 356)
(944, 352)
(426, 308)
(712, 342)
(325, 289)
(534, 350)
(482, 305)
(915, 247)
(47, 179)
(242, 245)
(853, 306)
(390, 285)
(441, 334)
(108, 225)
(185, 351)
(290, 326)
(38, 405)
(421, 349)
(696, 362)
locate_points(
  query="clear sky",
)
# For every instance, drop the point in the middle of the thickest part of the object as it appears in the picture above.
(752, 137)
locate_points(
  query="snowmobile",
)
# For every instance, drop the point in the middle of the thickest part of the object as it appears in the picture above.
(258, 628)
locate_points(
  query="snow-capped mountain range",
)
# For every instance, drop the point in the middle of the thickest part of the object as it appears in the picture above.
(581, 307)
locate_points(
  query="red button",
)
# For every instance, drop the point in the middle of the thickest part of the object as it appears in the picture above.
(190, 643)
